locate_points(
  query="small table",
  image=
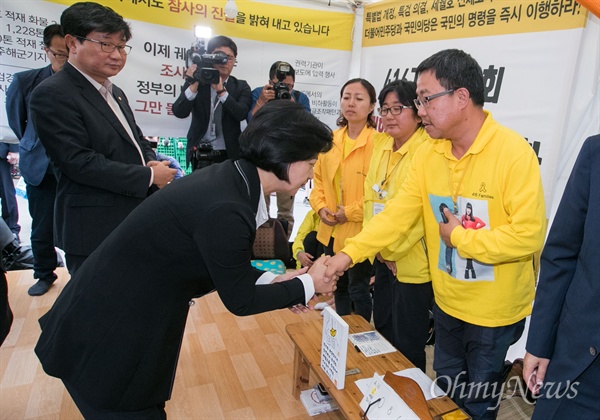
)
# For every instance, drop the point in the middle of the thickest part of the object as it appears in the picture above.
(307, 357)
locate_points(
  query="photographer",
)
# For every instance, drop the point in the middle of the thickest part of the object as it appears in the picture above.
(281, 76)
(281, 86)
(217, 109)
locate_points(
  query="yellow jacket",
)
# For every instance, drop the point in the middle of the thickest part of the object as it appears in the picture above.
(388, 171)
(310, 223)
(354, 171)
(499, 177)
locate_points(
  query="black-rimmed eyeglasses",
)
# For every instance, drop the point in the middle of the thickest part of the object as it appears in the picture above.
(394, 110)
(425, 101)
(108, 47)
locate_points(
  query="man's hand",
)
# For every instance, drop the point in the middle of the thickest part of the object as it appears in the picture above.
(337, 265)
(266, 94)
(12, 158)
(534, 372)
(219, 86)
(447, 228)
(306, 259)
(327, 217)
(190, 73)
(162, 173)
(317, 272)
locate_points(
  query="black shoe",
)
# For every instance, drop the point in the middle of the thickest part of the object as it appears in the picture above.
(40, 288)
(466, 274)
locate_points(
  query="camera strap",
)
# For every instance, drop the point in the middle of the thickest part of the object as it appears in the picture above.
(212, 126)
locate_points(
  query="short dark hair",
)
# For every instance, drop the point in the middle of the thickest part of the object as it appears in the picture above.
(273, 70)
(281, 133)
(342, 121)
(221, 41)
(406, 91)
(456, 69)
(50, 32)
(82, 18)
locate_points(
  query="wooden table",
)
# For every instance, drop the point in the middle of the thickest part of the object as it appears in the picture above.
(307, 357)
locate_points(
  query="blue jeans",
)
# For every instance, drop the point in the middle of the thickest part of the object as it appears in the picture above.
(468, 361)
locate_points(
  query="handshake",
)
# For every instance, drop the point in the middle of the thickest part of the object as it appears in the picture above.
(325, 272)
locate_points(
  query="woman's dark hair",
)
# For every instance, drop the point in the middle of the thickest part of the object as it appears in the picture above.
(342, 121)
(455, 69)
(82, 18)
(470, 216)
(221, 41)
(281, 133)
(405, 90)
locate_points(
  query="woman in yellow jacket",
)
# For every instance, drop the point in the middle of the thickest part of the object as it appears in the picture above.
(402, 295)
(337, 196)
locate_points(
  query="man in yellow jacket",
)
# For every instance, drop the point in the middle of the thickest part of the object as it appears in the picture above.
(476, 161)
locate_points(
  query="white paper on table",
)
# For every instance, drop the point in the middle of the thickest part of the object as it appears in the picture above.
(371, 343)
(389, 406)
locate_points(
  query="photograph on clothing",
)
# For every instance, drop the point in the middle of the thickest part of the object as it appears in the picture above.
(473, 214)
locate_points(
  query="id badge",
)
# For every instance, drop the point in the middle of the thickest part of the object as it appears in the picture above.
(377, 207)
(213, 130)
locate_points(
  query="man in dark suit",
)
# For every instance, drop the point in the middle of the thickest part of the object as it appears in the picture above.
(217, 110)
(562, 364)
(114, 333)
(104, 166)
(34, 164)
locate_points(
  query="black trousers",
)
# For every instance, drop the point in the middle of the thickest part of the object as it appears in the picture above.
(41, 208)
(401, 313)
(10, 209)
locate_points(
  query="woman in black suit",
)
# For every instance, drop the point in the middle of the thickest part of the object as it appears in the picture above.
(114, 333)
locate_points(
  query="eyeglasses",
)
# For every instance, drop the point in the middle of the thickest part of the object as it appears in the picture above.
(58, 56)
(425, 101)
(394, 110)
(371, 404)
(108, 47)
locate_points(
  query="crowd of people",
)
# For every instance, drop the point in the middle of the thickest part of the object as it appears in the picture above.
(442, 212)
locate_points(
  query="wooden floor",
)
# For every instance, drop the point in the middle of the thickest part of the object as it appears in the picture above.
(229, 368)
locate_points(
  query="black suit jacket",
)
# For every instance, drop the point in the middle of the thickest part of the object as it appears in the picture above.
(565, 323)
(33, 161)
(101, 178)
(115, 331)
(235, 110)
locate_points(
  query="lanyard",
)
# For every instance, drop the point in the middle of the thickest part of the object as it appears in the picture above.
(454, 193)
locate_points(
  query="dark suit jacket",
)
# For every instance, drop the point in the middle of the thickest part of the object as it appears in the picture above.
(565, 323)
(33, 161)
(235, 110)
(100, 175)
(115, 331)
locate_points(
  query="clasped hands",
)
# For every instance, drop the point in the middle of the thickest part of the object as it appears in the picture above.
(325, 272)
(330, 218)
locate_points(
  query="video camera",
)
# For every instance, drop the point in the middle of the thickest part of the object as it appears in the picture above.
(282, 91)
(205, 73)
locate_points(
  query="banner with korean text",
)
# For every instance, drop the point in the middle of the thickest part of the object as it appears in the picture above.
(527, 49)
(317, 44)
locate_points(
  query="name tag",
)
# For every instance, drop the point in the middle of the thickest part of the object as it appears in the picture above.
(378, 208)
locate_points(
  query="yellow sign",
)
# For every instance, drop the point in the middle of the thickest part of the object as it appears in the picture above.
(404, 21)
(255, 20)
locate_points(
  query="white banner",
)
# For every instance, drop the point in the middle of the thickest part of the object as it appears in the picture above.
(528, 75)
(153, 75)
